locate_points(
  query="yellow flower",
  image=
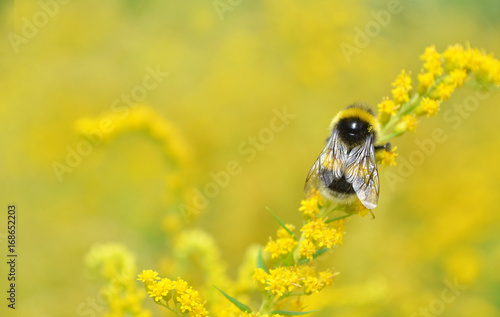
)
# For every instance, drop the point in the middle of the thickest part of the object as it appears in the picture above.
(400, 95)
(330, 238)
(403, 80)
(282, 280)
(486, 67)
(307, 249)
(189, 299)
(281, 246)
(402, 87)
(198, 310)
(407, 123)
(284, 245)
(312, 285)
(429, 53)
(327, 277)
(319, 234)
(160, 289)
(388, 158)
(455, 57)
(428, 106)
(148, 276)
(312, 282)
(310, 206)
(313, 229)
(432, 61)
(458, 77)
(260, 276)
(180, 286)
(426, 80)
(388, 106)
(445, 90)
(282, 233)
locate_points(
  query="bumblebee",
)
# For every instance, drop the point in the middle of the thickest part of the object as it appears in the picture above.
(346, 169)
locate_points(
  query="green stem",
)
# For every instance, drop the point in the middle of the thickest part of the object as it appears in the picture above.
(406, 108)
(267, 304)
(384, 138)
(168, 307)
(337, 207)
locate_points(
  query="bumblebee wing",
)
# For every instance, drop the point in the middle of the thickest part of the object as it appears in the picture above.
(328, 166)
(361, 171)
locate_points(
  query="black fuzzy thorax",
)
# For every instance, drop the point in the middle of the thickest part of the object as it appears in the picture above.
(354, 131)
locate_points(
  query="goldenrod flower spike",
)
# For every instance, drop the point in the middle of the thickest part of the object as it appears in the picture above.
(176, 295)
(286, 268)
(439, 78)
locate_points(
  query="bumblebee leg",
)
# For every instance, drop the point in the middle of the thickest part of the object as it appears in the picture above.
(386, 147)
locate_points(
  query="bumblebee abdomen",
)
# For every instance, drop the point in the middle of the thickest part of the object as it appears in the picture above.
(341, 187)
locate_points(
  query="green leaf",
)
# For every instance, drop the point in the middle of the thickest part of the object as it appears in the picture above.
(244, 308)
(289, 260)
(281, 222)
(318, 253)
(292, 313)
(338, 218)
(260, 261)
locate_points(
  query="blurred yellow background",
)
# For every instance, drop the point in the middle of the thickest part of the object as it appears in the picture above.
(218, 74)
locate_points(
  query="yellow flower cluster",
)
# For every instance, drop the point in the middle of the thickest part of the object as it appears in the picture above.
(283, 281)
(310, 207)
(428, 106)
(440, 76)
(316, 234)
(184, 298)
(388, 158)
(388, 106)
(408, 123)
(432, 61)
(284, 244)
(402, 88)
(472, 60)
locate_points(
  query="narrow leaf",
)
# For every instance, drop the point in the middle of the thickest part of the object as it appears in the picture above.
(260, 261)
(289, 260)
(292, 313)
(338, 218)
(244, 308)
(281, 222)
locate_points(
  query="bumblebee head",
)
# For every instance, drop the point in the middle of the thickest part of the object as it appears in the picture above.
(355, 124)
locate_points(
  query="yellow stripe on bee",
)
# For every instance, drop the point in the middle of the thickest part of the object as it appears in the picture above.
(358, 112)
